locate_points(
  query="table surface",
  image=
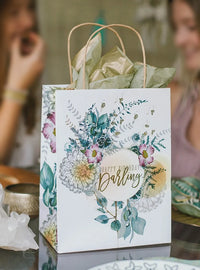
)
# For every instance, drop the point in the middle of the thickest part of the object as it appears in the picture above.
(185, 242)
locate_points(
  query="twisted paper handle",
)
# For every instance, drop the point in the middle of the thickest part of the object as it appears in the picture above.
(93, 34)
(69, 43)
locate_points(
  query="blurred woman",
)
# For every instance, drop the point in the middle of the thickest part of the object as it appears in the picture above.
(185, 20)
(21, 62)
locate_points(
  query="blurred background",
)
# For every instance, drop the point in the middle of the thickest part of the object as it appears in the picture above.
(149, 17)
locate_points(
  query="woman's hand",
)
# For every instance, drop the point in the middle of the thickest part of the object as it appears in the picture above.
(24, 69)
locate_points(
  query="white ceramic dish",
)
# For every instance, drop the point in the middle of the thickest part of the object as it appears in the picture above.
(146, 265)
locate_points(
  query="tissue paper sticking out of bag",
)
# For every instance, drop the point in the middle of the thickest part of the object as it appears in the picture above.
(114, 70)
(14, 231)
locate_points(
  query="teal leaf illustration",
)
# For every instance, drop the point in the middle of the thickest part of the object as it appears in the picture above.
(139, 225)
(91, 118)
(147, 140)
(132, 230)
(135, 149)
(113, 129)
(73, 143)
(133, 210)
(89, 192)
(134, 213)
(115, 225)
(47, 177)
(84, 143)
(137, 195)
(101, 210)
(119, 204)
(103, 121)
(126, 214)
(127, 231)
(136, 137)
(122, 230)
(102, 219)
(94, 131)
(45, 266)
(101, 200)
(49, 265)
(130, 222)
(53, 199)
(46, 197)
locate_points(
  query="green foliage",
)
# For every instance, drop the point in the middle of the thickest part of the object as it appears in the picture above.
(120, 204)
(48, 182)
(150, 172)
(115, 225)
(135, 149)
(47, 177)
(46, 197)
(157, 144)
(138, 225)
(101, 200)
(130, 222)
(102, 219)
(101, 210)
(49, 265)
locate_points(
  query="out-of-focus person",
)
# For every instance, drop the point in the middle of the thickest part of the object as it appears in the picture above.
(185, 21)
(21, 63)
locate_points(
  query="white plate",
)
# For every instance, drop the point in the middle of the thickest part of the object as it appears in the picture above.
(145, 265)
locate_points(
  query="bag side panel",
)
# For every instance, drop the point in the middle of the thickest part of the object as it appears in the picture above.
(48, 189)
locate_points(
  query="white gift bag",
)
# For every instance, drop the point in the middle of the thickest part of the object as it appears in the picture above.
(105, 168)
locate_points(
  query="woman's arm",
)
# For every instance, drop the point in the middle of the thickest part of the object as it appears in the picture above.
(9, 116)
(23, 71)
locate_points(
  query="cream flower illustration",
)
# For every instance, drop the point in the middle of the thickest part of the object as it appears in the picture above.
(49, 230)
(77, 174)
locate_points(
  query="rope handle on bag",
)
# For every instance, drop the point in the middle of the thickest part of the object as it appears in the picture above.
(124, 26)
(93, 34)
(69, 43)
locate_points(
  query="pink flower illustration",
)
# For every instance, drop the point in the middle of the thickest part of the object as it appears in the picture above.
(49, 131)
(145, 156)
(93, 154)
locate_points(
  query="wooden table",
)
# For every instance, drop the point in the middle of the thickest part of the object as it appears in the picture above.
(9, 176)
